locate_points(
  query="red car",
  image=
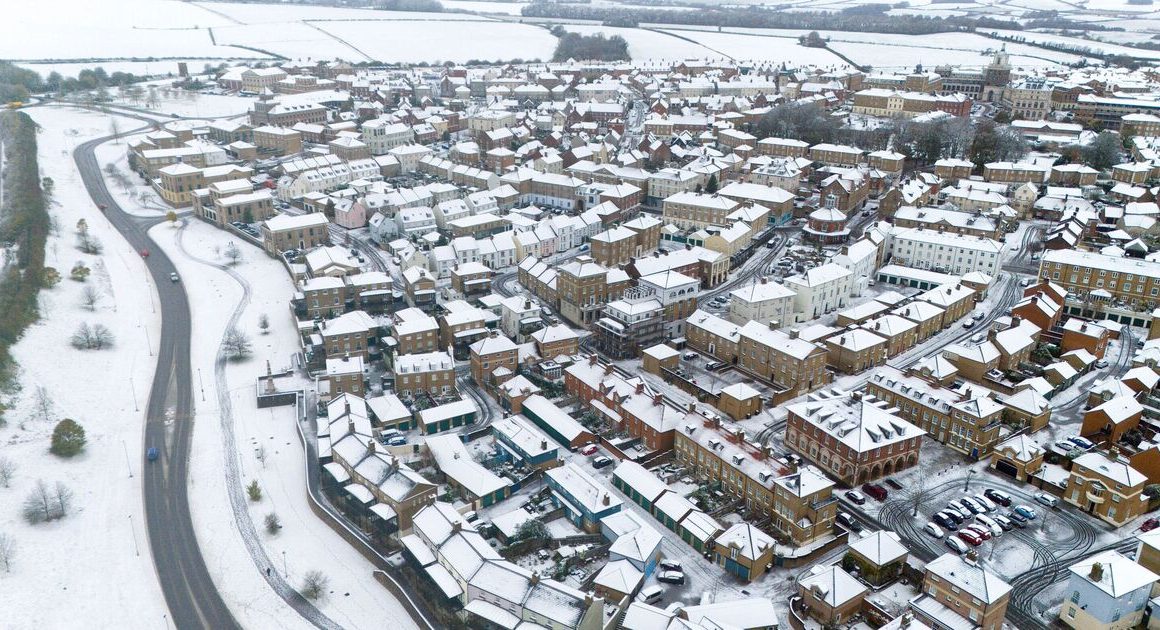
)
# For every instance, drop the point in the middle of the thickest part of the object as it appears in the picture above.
(1149, 525)
(970, 537)
(102, 207)
(875, 490)
(144, 253)
(588, 450)
(979, 531)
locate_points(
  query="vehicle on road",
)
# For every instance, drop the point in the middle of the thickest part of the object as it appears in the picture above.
(998, 496)
(1102, 364)
(1026, 512)
(588, 450)
(102, 207)
(933, 530)
(173, 277)
(152, 453)
(855, 496)
(144, 253)
(957, 545)
(970, 323)
(1046, 499)
(978, 315)
(671, 577)
(847, 521)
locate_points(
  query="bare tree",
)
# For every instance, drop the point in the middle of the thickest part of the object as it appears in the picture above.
(43, 403)
(63, 499)
(89, 244)
(7, 551)
(233, 253)
(264, 323)
(236, 345)
(38, 505)
(918, 494)
(102, 337)
(114, 130)
(90, 297)
(314, 584)
(260, 455)
(7, 471)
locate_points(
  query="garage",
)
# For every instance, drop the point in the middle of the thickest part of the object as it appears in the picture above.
(1007, 468)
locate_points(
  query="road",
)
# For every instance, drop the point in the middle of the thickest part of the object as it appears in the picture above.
(190, 594)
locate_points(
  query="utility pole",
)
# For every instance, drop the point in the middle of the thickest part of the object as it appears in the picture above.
(967, 480)
(133, 390)
(128, 462)
(134, 533)
(285, 571)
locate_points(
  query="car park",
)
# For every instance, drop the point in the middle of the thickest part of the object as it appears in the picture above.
(1046, 499)
(671, 577)
(1026, 512)
(855, 496)
(848, 522)
(998, 496)
(958, 546)
(933, 530)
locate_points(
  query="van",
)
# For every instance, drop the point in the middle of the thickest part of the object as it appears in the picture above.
(398, 440)
(651, 594)
(1047, 499)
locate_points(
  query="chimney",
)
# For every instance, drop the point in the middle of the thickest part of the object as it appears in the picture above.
(692, 407)
(1016, 321)
(773, 324)
(544, 445)
(764, 280)
(527, 304)
(535, 579)
(608, 370)
(592, 359)
(606, 500)
(656, 399)
(370, 447)
(456, 527)
(1097, 572)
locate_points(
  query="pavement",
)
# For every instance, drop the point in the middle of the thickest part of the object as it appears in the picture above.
(190, 594)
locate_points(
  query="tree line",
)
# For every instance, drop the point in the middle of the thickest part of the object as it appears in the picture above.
(755, 17)
(596, 47)
(24, 222)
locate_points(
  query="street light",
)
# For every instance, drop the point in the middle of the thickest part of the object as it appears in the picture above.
(967, 481)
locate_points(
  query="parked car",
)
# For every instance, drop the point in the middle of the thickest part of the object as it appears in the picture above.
(970, 323)
(982, 499)
(855, 496)
(1102, 364)
(1003, 522)
(978, 315)
(847, 521)
(875, 490)
(1046, 499)
(714, 365)
(973, 505)
(691, 356)
(990, 523)
(961, 512)
(945, 519)
(1018, 519)
(970, 537)
(588, 450)
(1149, 525)
(1026, 512)
(998, 496)
(671, 577)
(980, 530)
(957, 545)
(933, 530)
(1083, 443)
(1065, 446)
(601, 462)
(978, 338)
(671, 565)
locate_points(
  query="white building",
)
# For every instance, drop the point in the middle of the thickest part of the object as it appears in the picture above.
(944, 252)
(820, 290)
(382, 135)
(1106, 591)
(763, 302)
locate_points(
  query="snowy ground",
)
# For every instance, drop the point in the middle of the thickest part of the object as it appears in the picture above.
(356, 600)
(130, 190)
(460, 41)
(167, 101)
(68, 562)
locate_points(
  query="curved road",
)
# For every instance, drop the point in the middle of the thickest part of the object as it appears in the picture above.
(190, 594)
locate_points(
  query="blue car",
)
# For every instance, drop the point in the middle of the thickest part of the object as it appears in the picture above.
(1025, 512)
(151, 453)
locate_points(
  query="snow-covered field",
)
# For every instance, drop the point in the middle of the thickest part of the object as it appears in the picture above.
(499, 8)
(763, 48)
(1108, 48)
(356, 599)
(63, 570)
(162, 67)
(459, 41)
(644, 44)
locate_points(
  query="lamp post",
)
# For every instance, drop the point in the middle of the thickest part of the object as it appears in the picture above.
(967, 481)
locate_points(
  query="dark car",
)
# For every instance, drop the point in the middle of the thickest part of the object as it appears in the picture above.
(998, 496)
(1149, 525)
(152, 453)
(671, 577)
(875, 490)
(855, 496)
(601, 462)
(946, 521)
(848, 522)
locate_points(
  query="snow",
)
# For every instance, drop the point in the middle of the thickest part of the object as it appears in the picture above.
(763, 47)
(647, 44)
(502, 8)
(163, 67)
(68, 562)
(185, 103)
(460, 41)
(1106, 48)
(356, 600)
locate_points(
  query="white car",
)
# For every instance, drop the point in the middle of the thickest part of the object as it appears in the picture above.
(990, 524)
(933, 530)
(957, 545)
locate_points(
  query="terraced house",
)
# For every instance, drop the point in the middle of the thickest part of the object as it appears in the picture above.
(852, 437)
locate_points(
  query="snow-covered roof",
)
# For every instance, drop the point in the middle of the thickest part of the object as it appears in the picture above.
(833, 585)
(1118, 576)
(862, 423)
(880, 547)
(968, 576)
